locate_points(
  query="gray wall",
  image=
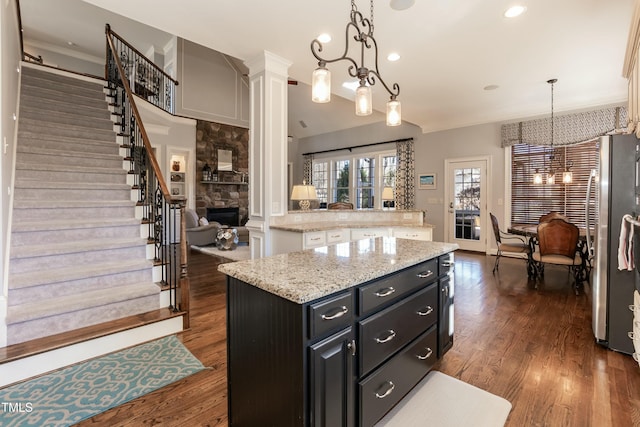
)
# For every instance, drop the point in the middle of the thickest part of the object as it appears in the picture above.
(9, 87)
(212, 86)
(431, 150)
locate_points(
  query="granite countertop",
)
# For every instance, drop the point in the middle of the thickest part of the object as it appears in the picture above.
(314, 273)
(309, 227)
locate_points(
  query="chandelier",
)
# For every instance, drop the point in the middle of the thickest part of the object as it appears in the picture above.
(556, 161)
(362, 29)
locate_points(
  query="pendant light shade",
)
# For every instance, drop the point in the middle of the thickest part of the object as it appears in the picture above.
(537, 177)
(321, 85)
(567, 177)
(363, 100)
(394, 114)
(551, 178)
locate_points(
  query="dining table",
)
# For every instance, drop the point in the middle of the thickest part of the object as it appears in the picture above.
(530, 232)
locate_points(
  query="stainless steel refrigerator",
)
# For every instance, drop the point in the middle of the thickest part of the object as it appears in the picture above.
(613, 190)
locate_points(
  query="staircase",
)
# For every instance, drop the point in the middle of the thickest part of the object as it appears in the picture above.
(77, 257)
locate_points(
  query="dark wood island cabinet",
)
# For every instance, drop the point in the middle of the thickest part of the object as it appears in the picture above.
(338, 335)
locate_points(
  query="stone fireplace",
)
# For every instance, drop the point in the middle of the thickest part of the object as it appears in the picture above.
(230, 190)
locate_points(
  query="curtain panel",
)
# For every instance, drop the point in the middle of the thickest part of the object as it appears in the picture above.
(307, 169)
(405, 175)
(569, 129)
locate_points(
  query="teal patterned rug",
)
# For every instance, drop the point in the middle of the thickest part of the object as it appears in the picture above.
(75, 393)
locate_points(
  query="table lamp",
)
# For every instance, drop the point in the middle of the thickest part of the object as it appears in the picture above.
(387, 196)
(303, 193)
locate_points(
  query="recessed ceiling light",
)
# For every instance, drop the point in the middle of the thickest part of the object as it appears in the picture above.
(401, 4)
(324, 38)
(514, 11)
(393, 56)
(71, 43)
(491, 87)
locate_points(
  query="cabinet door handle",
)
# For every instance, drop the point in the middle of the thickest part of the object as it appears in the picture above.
(388, 338)
(428, 311)
(342, 311)
(632, 307)
(426, 356)
(387, 392)
(425, 274)
(445, 289)
(448, 263)
(352, 346)
(630, 335)
(385, 292)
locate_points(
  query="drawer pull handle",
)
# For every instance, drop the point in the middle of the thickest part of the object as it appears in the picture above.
(428, 311)
(426, 356)
(385, 292)
(343, 310)
(388, 338)
(387, 392)
(448, 263)
(425, 274)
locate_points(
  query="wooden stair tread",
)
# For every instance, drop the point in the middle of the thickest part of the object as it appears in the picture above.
(42, 345)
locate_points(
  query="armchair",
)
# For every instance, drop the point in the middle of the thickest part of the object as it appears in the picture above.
(512, 243)
(199, 235)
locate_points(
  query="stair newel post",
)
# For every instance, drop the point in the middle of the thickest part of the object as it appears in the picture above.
(185, 284)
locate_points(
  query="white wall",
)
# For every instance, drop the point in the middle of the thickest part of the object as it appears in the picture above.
(68, 60)
(9, 86)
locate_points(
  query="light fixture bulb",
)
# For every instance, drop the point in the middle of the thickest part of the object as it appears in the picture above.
(567, 177)
(321, 85)
(551, 178)
(537, 177)
(363, 100)
(394, 114)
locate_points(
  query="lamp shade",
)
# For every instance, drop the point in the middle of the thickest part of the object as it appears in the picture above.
(304, 192)
(363, 100)
(387, 193)
(321, 85)
(394, 115)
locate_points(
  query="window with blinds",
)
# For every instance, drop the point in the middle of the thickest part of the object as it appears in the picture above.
(530, 201)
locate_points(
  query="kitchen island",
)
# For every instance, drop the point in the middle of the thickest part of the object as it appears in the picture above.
(335, 335)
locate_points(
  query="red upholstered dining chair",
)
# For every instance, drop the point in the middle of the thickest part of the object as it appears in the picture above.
(558, 244)
(511, 243)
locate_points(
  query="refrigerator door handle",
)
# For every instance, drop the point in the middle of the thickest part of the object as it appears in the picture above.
(590, 249)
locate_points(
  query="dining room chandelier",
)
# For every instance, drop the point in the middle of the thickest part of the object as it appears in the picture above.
(557, 162)
(362, 30)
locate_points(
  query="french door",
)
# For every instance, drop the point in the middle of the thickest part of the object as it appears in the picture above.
(466, 203)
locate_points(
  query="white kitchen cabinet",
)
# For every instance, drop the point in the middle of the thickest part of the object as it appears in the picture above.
(413, 233)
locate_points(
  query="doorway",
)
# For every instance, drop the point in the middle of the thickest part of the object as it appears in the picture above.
(466, 195)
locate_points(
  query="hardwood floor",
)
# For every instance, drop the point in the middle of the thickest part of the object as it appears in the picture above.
(531, 346)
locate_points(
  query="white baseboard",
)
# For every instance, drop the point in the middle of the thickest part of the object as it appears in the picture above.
(38, 364)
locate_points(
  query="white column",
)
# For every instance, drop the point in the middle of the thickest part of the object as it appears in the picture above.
(268, 74)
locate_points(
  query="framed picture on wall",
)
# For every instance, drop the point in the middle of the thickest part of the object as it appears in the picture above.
(427, 181)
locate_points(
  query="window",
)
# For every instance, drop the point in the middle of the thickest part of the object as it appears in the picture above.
(530, 201)
(320, 179)
(365, 188)
(358, 179)
(341, 181)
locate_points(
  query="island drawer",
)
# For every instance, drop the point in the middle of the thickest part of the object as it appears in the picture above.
(330, 314)
(337, 236)
(384, 333)
(392, 287)
(384, 388)
(314, 239)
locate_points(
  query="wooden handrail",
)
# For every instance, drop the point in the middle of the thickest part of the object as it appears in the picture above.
(143, 132)
(109, 31)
